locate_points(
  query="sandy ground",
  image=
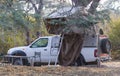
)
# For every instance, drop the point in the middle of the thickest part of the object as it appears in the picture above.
(111, 68)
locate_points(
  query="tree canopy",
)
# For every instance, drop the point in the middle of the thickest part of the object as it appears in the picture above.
(23, 18)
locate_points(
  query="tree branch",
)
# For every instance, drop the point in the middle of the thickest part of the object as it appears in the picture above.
(40, 6)
(34, 6)
(81, 2)
(93, 6)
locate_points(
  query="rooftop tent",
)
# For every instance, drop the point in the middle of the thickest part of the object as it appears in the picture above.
(57, 21)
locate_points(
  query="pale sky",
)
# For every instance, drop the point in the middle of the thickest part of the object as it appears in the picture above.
(102, 1)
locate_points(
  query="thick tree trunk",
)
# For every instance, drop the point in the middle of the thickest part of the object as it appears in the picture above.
(70, 50)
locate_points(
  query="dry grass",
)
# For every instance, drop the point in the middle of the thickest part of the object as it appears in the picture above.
(116, 55)
(107, 69)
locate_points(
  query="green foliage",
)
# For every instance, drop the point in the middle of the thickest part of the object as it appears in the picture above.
(15, 22)
(9, 39)
(114, 33)
(116, 55)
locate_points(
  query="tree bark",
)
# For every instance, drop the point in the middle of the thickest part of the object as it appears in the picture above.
(71, 48)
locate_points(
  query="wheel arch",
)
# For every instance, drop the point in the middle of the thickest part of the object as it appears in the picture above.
(81, 55)
(19, 53)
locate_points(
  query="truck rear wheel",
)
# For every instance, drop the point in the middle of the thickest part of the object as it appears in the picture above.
(80, 60)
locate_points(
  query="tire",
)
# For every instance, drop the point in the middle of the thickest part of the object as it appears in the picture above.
(80, 61)
(17, 62)
(105, 46)
(20, 53)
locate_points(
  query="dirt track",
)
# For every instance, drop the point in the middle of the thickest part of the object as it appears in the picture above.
(106, 69)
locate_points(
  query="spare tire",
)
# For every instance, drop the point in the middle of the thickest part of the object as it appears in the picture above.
(105, 45)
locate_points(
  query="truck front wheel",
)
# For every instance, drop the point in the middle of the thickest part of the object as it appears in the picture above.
(17, 62)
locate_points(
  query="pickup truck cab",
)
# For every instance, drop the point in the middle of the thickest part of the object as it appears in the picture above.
(47, 48)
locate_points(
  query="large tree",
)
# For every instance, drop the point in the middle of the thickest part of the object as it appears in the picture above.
(73, 25)
(72, 42)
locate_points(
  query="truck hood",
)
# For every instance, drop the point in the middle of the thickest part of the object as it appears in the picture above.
(22, 48)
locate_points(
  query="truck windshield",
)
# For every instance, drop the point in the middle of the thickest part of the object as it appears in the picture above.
(42, 42)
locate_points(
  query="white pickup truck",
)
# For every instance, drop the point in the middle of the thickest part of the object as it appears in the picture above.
(47, 47)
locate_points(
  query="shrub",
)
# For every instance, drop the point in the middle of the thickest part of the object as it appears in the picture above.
(114, 33)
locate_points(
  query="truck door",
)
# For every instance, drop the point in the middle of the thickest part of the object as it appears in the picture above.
(54, 47)
(41, 47)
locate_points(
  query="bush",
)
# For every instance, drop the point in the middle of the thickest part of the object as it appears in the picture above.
(9, 40)
(14, 38)
(116, 55)
(114, 33)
